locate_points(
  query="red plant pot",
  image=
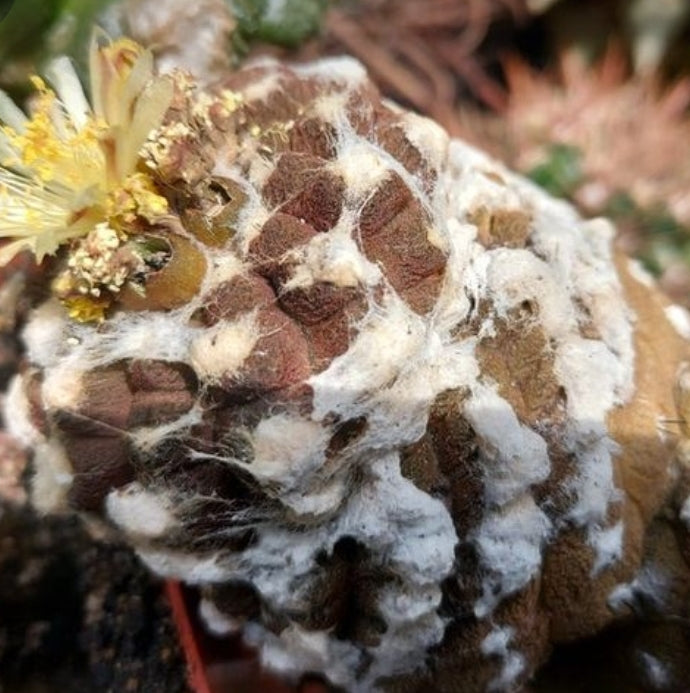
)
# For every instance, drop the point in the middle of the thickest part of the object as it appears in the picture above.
(221, 664)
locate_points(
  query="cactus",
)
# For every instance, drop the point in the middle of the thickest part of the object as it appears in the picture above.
(393, 407)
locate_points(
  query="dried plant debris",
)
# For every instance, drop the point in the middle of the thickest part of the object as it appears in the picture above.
(399, 399)
(428, 60)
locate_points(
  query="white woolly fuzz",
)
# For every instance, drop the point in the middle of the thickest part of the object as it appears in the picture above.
(17, 414)
(402, 526)
(147, 437)
(52, 478)
(217, 622)
(140, 512)
(196, 569)
(221, 350)
(53, 472)
(287, 448)
(652, 583)
(342, 69)
(310, 650)
(594, 486)
(47, 334)
(608, 545)
(639, 273)
(388, 339)
(509, 541)
(659, 674)
(516, 457)
(335, 258)
(62, 389)
(364, 167)
(497, 644)
(679, 317)
(430, 139)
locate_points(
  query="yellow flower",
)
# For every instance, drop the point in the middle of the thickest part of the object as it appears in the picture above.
(70, 166)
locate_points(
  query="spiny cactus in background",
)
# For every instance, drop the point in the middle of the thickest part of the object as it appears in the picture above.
(614, 143)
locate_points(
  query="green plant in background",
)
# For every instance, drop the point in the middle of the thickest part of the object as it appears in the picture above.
(665, 240)
(561, 172)
(283, 22)
(35, 30)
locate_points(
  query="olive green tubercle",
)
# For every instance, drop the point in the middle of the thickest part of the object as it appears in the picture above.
(175, 284)
(212, 223)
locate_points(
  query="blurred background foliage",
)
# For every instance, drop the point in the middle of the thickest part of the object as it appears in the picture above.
(590, 98)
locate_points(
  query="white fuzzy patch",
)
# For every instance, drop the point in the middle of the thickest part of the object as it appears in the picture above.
(62, 389)
(331, 108)
(515, 456)
(651, 583)
(52, 477)
(639, 273)
(313, 650)
(364, 167)
(509, 542)
(497, 644)
(44, 335)
(333, 257)
(55, 342)
(217, 622)
(594, 485)
(347, 71)
(608, 545)
(220, 351)
(387, 340)
(429, 138)
(52, 470)
(402, 526)
(659, 675)
(196, 569)
(289, 454)
(679, 317)
(260, 89)
(16, 414)
(146, 438)
(685, 512)
(226, 267)
(140, 512)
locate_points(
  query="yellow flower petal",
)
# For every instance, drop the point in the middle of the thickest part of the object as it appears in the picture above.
(67, 168)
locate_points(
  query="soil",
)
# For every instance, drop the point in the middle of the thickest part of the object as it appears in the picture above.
(80, 615)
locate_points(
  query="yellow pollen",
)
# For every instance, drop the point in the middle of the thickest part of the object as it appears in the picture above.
(136, 197)
(64, 155)
(86, 308)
